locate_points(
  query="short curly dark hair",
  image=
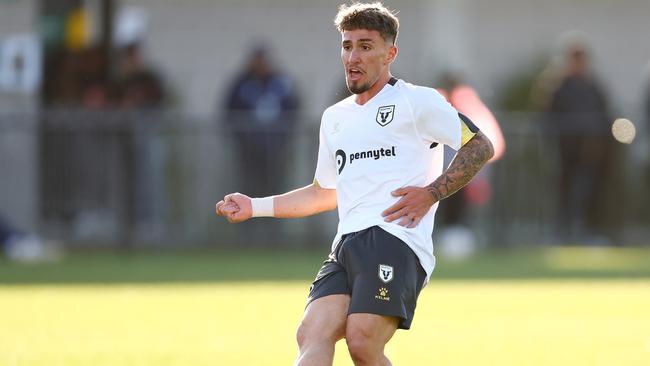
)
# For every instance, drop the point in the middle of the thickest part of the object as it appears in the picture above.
(373, 16)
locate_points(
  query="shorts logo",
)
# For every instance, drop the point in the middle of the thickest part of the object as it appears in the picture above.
(385, 115)
(340, 160)
(385, 273)
(383, 294)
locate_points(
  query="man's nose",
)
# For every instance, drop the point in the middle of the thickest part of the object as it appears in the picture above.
(353, 55)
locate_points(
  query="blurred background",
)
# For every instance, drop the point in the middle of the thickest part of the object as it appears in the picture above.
(122, 122)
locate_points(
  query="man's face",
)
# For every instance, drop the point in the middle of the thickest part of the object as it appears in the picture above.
(578, 62)
(366, 57)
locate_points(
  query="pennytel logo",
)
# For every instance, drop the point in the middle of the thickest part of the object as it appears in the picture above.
(340, 159)
(375, 154)
(372, 154)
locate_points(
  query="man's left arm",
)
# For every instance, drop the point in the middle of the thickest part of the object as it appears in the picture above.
(416, 201)
(468, 161)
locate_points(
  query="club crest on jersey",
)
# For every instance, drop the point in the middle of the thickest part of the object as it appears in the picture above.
(385, 273)
(385, 114)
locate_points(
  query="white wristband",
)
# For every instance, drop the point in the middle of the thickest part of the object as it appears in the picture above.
(262, 207)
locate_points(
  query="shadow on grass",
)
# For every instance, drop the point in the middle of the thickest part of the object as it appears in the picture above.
(302, 265)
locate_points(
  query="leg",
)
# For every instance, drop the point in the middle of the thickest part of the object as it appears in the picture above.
(367, 335)
(321, 327)
(566, 208)
(387, 279)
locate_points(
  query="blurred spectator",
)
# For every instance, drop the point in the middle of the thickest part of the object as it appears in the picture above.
(95, 95)
(478, 192)
(22, 247)
(140, 88)
(75, 79)
(90, 147)
(467, 101)
(261, 109)
(577, 116)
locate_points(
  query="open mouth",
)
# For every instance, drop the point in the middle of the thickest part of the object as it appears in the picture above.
(354, 73)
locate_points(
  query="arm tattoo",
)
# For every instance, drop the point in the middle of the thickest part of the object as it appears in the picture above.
(468, 161)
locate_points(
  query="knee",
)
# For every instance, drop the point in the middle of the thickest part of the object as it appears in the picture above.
(310, 333)
(361, 346)
(302, 334)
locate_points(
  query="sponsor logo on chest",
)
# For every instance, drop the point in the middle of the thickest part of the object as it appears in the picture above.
(375, 154)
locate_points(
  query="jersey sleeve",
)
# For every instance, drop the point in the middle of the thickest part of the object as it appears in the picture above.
(325, 175)
(436, 120)
(468, 129)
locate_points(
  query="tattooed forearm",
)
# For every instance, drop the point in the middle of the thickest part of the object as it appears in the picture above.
(468, 161)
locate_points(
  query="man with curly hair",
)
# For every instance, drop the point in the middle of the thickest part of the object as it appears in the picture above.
(380, 162)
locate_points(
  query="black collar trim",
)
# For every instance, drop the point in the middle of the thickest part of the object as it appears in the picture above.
(392, 81)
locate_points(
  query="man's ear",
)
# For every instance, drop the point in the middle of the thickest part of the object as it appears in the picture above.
(392, 54)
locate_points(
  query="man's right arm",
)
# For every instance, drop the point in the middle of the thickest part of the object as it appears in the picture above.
(305, 201)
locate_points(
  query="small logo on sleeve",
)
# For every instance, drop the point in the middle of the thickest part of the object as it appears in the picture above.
(336, 128)
(385, 115)
(385, 273)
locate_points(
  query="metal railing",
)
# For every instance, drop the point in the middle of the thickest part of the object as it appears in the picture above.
(152, 178)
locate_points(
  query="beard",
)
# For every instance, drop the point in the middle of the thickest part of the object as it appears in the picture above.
(358, 88)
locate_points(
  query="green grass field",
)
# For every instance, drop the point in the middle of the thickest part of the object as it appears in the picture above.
(548, 307)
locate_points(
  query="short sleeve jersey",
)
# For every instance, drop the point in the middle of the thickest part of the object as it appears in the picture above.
(394, 140)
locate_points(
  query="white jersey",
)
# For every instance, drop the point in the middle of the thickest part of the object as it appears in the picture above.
(392, 141)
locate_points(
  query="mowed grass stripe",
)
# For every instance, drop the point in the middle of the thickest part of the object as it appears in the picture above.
(252, 265)
(558, 322)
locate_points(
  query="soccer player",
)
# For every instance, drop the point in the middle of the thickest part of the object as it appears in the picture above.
(381, 161)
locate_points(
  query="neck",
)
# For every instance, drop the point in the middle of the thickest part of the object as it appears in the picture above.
(364, 97)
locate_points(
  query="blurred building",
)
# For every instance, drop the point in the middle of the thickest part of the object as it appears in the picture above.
(199, 42)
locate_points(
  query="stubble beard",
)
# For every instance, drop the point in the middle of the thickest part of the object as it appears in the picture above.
(358, 89)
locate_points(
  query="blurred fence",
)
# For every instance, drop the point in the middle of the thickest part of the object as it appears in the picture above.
(152, 178)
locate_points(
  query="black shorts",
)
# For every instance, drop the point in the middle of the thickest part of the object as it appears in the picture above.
(379, 271)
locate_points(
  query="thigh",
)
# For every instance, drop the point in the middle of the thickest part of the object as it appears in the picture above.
(384, 275)
(325, 317)
(330, 280)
